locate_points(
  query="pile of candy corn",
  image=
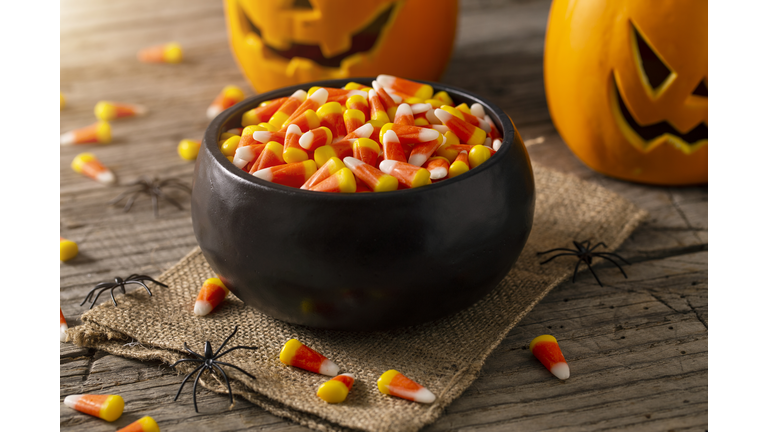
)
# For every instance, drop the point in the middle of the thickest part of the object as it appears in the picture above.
(396, 134)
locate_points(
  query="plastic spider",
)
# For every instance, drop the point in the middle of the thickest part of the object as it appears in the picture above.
(134, 279)
(153, 188)
(585, 253)
(208, 363)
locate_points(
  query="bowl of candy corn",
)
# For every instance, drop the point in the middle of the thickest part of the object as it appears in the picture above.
(316, 209)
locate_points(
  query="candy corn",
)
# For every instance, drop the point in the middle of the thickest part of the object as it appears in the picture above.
(496, 144)
(295, 353)
(341, 181)
(312, 102)
(331, 116)
(478, 155)
(337, 388)
(404, 115)
(364, 131)
(331, 166)
(262, 113)
(353, 119)
(68, 249)
(88, 165)
(245, 155)
(228, 96)
(267, 136)
(292, 174)
(188, 149)
(438, 167)
(410, 88)
(466, 132)
(62, 327)
(292, 151)
(376, 180)
(366, 150)
(211, 295)
(394, 383)
(315, 138)
(359, 103)
(378, 111)
(392, 148)
(105, 110)
(99, 132)
(339, 149)
(287, 108)
(386, 100)
(271, 155)
(107, 407)
(460, 165)
(547, 350)
(229, 145)
(166, 53)
(409, 135)
(144, 424)
(408, 175)
(423, 151)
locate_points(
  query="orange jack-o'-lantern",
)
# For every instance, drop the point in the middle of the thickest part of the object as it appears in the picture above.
(626, 85)
(285, 42)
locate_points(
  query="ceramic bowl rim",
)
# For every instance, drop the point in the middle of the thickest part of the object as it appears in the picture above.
(215, 128)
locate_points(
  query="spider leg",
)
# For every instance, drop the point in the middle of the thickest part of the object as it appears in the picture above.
(112, 293)
(187, 360)
(130, 201)
(595, 275)
(617, 265)
(118, 198)
(232, 349)
(154, 207)
(192, 352)
(558, 255)
(601, 254)
(556, 249)
(138, 277)
(169, 199)
(224, 343)
(194, 387)
(185, 381)
(231, 398)
(90, 293)
(576, 270)
(97, 297)
(231, 365)
(599, 244)
(138, 282)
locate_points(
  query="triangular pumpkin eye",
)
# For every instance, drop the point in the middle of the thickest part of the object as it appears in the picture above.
(701, 89)
(655, 69)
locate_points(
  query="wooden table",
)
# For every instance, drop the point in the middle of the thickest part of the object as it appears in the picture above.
(637, 347)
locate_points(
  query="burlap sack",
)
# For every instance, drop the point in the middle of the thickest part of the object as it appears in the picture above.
(444, 356)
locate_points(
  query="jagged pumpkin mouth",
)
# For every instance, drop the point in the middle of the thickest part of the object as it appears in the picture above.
(651, 134)
(362, 41)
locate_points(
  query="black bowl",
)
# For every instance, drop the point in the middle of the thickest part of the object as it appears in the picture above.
(362, 261)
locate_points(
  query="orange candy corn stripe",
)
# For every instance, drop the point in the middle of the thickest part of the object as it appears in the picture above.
(228, 96)
(394, 383)
(339, 149)
(316, 138)
(292, 151)
(267, 136)
(88, 165)
(366, 150)
(404, 115)
(408, 87)
(341, 181)
(423, 151)
(546, 349)
(313, 102)
(293, 174)
(336, 389)
(378, 111)
(144, 424)
(211, 295)
(262, 113)
(408, 175)
(107, 407)
(331, 116)
(166, 53)
(295, 353)
(97, 133)
(438, 167)
(467, 133)
(376, 180)
(305, 121)
(287, 108)
(271, 155)
(331, 166)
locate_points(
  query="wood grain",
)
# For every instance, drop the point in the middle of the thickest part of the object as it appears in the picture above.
(637, 347)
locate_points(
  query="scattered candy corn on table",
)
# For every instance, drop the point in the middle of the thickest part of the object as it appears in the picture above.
(636, 348)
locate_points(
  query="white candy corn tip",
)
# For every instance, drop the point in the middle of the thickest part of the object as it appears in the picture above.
(426, 135)
(357, 93)
(488, 142)
(433, 118)
(71, 400)
(417, 159)
(420, 108)
(423, 396)
(395, 98)
(386, 166)
(376, 86)
(390, 136)
(484, 125)
(105, 177)
(300, 95)
(403, 110)
(264, 174)
(202, 308)
(438, 173)
(329, 368)
(320, 96)
(561, 370)
(262, 136)
(139, 110)
(306, 140)
(352, 163)
(372, 94)
(348, 375)
(443, 129)
(67, 138)
(213, 111)
(443, 115)
(63, 332)
(496, 144)
(477, 110)
(243, 155)
(386, 80)
(364, 131)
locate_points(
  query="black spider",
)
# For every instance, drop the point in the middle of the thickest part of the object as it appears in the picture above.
(153, 188)
(585, 253)
(208, 363)
(134, 279)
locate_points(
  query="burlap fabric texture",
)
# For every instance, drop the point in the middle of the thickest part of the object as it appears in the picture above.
(444, 356)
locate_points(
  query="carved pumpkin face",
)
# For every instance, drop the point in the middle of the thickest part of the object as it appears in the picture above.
(286, 42)
(626, 85)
